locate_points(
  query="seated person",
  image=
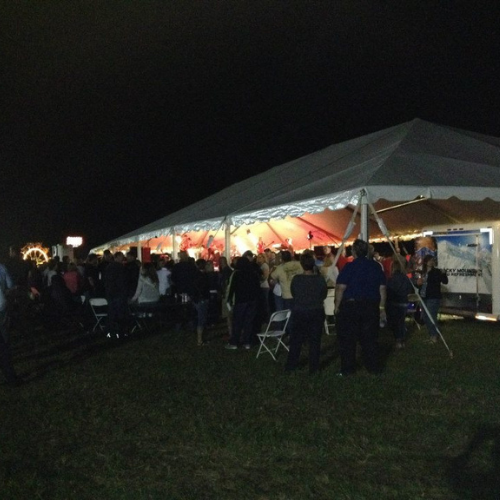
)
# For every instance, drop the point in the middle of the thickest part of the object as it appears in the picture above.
(147, 294)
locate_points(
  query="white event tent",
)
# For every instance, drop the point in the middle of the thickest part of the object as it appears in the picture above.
(415, 175)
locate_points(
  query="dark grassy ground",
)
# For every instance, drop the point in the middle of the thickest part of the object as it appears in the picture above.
(157, 417)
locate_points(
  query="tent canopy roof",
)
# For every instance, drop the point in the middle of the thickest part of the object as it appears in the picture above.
(398, 164)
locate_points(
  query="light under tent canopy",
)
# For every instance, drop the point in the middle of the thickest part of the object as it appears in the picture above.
(415, 175)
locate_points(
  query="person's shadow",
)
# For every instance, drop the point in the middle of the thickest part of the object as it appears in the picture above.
(475, 473)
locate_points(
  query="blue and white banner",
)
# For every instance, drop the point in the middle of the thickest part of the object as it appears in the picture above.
(466, 259)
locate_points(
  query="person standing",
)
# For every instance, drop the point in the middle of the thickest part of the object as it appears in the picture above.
(201, 298)
(430, 291)
(398, 288)
(183, 279)
(284, 274)
(18, 270)
(184, 275)
(309, 290)
(107, 258)
(6, 365)
(91, 276)
(225, 273)
(329, 271)
(132, 270)
(73, 280)
(263, 305)
(244, 293)
(360, 296)
(163, 277)
(115, 284)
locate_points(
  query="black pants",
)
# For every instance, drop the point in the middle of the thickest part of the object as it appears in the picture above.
(243, 322)
(5, 354)
(358, 321)
(306, 325)
(117, 315)
(396, 315)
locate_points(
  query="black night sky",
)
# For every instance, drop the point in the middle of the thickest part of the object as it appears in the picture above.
(117, 113)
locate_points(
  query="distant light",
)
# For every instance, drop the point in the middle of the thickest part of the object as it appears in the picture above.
(427, 233)
(401, 237)
(486, 317)
(74, 241)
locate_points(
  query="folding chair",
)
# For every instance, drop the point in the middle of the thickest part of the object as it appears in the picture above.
(99, 308)
(413, 299)
(276, 328)
(329, 305)
(141, 318)
(144, 315)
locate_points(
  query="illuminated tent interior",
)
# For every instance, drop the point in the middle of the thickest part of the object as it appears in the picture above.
(415, 175)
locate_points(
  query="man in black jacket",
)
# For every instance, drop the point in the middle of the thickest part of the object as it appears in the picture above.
(184, 275)
(244, 293)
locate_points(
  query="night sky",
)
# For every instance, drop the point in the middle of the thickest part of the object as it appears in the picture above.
(117, 113)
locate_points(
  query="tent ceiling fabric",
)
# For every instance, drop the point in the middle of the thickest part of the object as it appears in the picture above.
(453, 169)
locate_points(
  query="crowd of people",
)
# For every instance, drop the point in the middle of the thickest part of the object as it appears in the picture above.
(369, 291)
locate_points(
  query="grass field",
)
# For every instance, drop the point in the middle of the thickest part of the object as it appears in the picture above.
(157, 417)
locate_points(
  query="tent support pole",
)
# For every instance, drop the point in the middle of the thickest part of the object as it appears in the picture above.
(364, 216)
(139, 251)
(175, 247)
(202, 241)
(385, 232)
(227, 241)
(347, 233)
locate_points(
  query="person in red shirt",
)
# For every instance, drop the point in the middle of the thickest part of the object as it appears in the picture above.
(73, 279)
(343, 260)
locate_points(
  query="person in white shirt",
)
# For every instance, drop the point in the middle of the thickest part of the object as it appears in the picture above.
(49, 272)
(329, 271)
(163, 278)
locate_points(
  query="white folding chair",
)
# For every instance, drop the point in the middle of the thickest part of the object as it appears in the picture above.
(276, 328)
(329, 305)
(99, 308)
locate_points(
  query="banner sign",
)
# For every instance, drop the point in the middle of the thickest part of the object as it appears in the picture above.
(465, 256)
